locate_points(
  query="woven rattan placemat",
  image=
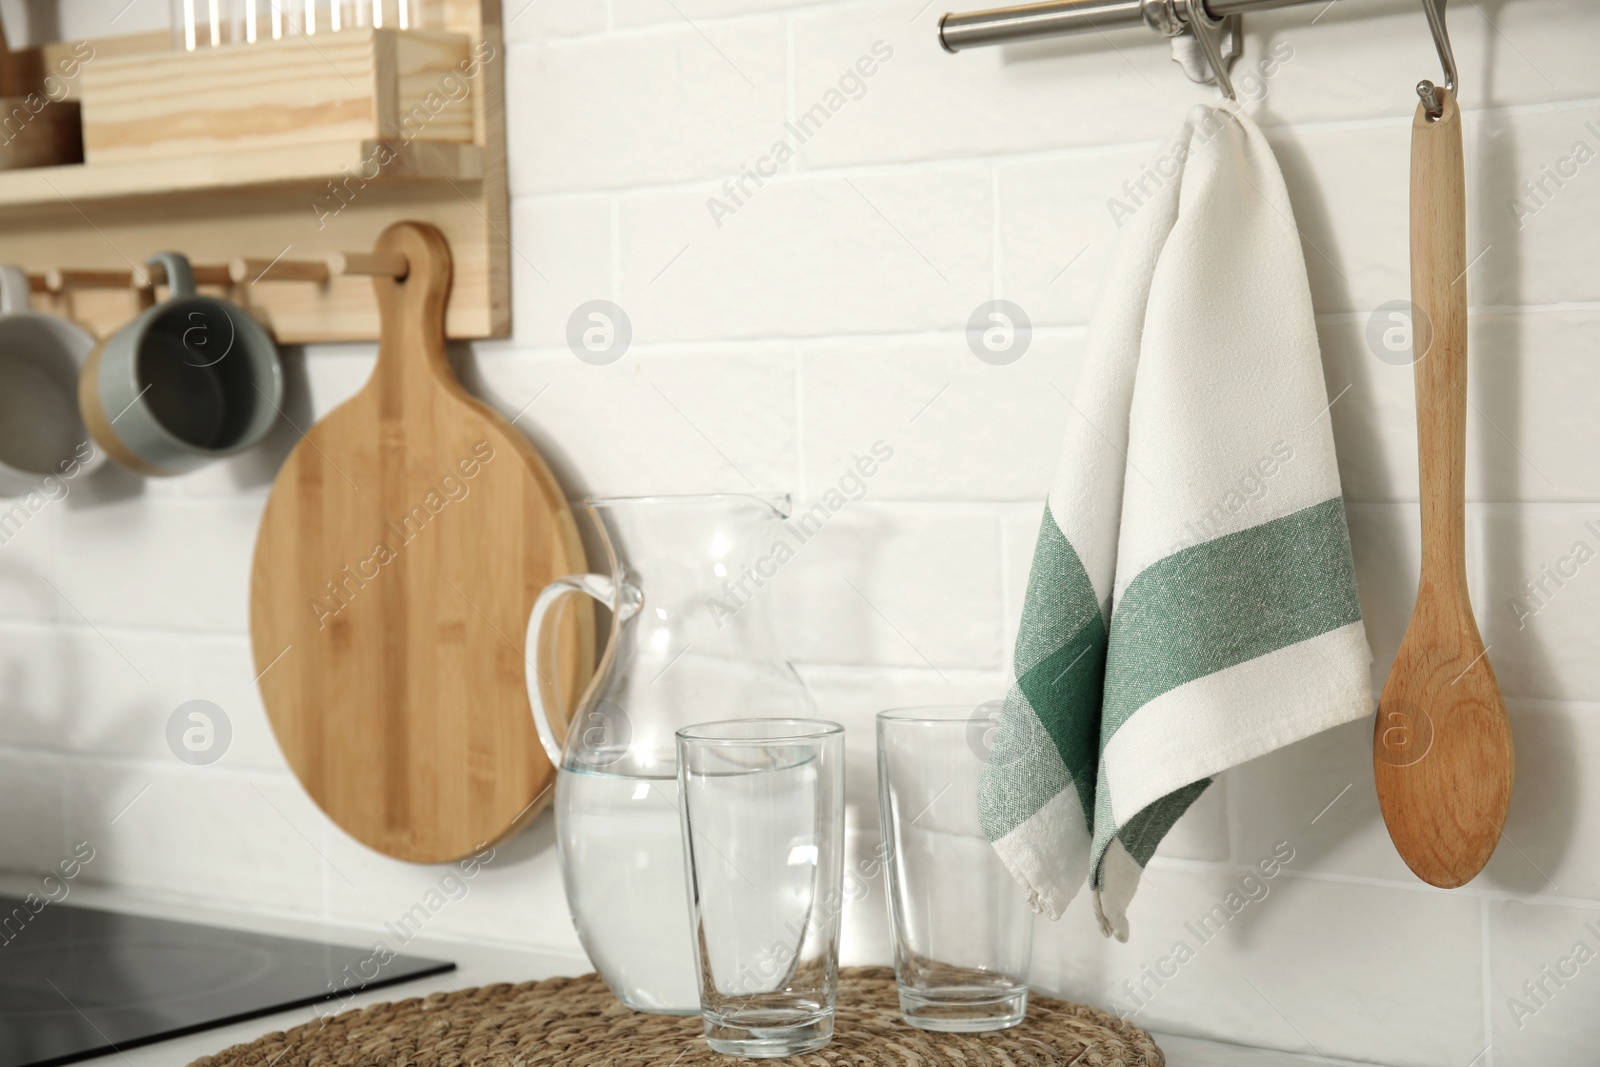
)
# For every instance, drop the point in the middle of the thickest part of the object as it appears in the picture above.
(576, 1022)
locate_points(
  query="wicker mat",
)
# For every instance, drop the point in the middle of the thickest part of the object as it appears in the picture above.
(577, 1022)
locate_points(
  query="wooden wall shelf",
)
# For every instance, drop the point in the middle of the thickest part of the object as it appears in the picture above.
(58, 189)
(299, 201)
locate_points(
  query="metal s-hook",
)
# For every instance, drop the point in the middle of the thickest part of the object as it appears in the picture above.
(1208, 31)
(1428, 91)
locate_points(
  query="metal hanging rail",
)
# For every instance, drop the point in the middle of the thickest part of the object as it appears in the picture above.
(1001, 25)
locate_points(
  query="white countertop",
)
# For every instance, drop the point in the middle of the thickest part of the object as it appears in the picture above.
(476, 964)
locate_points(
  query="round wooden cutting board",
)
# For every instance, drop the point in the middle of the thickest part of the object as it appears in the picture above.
(399, 557)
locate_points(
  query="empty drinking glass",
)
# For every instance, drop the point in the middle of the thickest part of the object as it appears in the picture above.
(962, 927)
(763, 831)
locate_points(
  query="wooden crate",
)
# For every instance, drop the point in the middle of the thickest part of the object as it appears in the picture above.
(357, 85)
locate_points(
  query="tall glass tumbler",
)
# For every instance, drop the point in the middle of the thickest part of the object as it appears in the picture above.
(763, 833)
(962, 927)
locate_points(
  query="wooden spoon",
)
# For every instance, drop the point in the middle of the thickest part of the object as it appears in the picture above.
(1441, 747)
(401, 551)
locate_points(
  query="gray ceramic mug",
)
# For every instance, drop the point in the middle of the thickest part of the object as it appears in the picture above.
(190, 381)
(42, 435)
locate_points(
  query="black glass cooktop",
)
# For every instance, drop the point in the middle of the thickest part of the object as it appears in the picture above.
(76, 982)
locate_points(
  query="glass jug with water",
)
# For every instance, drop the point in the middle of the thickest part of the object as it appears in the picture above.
(691, 641)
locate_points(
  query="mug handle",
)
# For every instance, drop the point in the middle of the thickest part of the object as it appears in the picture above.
(622, 598)
(13, 290)
(180, 276)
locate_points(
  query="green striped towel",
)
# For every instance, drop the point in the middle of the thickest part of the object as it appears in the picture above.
(1192, 603)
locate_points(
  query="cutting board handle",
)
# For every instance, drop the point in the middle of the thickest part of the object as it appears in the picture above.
(411, 345)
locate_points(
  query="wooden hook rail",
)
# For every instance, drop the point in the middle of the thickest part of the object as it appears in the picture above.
(324, 295)
(246, 271)
(372, 264)
(58, 279)
(144, 276)
(150, 275)
(338, 264)
(241, 271)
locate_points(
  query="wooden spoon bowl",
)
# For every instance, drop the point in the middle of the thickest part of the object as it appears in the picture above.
(1441, 751)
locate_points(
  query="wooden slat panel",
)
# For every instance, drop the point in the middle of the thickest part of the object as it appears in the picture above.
(348, 86)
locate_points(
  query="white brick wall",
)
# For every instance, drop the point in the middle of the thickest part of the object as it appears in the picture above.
(826, 313)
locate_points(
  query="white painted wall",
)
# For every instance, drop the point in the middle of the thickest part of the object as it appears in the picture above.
(827, 313)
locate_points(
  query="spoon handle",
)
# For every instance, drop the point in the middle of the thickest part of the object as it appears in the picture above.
(1439, 337)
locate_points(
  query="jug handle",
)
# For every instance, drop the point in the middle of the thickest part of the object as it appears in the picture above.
(623, 599)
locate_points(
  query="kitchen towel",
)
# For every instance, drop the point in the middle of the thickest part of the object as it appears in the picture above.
(1192, 603)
